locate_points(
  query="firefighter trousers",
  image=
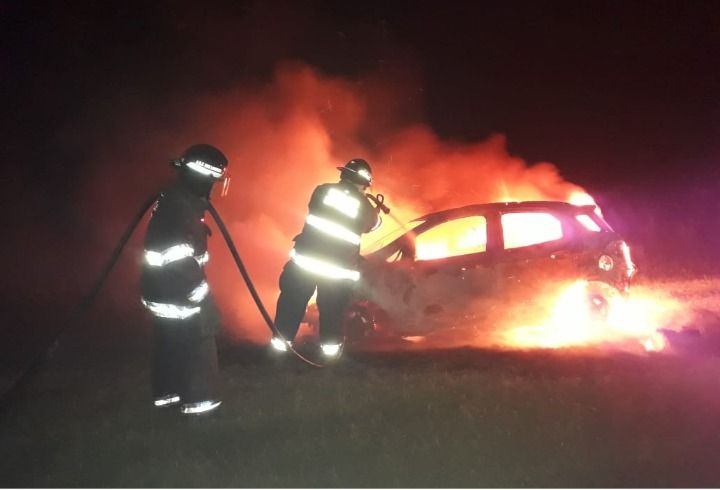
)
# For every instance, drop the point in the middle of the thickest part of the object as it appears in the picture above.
(296, 288)
(184, 360)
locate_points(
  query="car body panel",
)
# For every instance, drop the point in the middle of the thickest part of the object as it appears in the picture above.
(401, 294)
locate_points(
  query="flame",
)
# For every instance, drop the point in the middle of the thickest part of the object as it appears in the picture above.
(524, 229)
(457, 237)
(575, 319)
(286, 137)
(582, 198)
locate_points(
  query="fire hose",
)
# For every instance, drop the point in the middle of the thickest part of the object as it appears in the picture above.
(251, 286)
(89, 299)
(379, 200)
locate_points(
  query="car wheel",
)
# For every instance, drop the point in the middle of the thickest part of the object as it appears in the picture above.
(600, 295)
(365, 320)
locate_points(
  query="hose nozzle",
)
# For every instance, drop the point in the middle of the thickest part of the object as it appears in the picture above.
(379, 201)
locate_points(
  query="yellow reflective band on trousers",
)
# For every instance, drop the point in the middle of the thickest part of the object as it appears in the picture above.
(323, 268)
(332, 229)
(170, 254)
(343, 202)
(168, 310)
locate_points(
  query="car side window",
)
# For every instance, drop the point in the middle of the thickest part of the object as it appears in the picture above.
(456, 237)
(530, 228)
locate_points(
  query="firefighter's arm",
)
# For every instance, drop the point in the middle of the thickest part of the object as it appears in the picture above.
(316, 198)
(373, 219)
(378, 220)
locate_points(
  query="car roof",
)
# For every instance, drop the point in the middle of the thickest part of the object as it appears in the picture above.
(556, 206)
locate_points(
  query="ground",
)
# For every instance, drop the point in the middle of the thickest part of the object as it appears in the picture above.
(450, 418)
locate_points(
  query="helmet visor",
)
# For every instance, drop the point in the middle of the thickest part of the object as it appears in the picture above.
(225, 185)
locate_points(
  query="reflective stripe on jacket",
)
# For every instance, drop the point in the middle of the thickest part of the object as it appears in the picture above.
(175, 253)
(329, 244)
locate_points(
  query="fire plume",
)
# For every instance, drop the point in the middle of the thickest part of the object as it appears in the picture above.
(284, 138)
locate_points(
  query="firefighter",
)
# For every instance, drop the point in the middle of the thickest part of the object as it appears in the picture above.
(325, 257)
(174, 289)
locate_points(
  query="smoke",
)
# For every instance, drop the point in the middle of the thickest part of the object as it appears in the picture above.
(283, 139)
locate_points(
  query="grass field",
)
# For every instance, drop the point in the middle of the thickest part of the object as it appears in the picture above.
(450, 418)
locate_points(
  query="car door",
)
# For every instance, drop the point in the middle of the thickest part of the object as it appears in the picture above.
(536, 250)
(451, 269)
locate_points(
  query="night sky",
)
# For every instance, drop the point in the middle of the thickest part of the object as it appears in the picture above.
(618, 95)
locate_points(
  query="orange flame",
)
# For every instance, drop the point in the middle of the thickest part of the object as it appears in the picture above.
(286, 137)
(572, 321)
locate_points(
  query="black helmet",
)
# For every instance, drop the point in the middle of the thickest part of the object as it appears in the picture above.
(356, 171)
(200, 167)
(204, 160)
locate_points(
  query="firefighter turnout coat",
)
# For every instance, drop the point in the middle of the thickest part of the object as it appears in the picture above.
(329, 244)
(325, 256)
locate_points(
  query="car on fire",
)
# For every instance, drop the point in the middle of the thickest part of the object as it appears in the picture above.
(450, 266)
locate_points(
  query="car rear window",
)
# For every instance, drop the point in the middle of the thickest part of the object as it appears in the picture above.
(588, 223)
(460, 236)
(530, 228)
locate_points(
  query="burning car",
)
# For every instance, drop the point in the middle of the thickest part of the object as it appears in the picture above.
(458, 266)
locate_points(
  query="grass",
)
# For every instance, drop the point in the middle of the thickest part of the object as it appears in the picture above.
(452, 418)
(442, 418)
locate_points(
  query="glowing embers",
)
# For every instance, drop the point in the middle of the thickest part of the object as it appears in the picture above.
(332, 229)
(457, 237)
(531, 228)
(343, 202)
(588, 223)
(323, 268)
(171, 311)
(205, 169)
(199, 293)
(170, 254)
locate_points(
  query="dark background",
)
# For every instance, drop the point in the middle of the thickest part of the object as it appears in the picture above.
(623, 96)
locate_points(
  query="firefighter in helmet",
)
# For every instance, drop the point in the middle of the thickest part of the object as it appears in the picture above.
(174, 289)
(325, 257)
